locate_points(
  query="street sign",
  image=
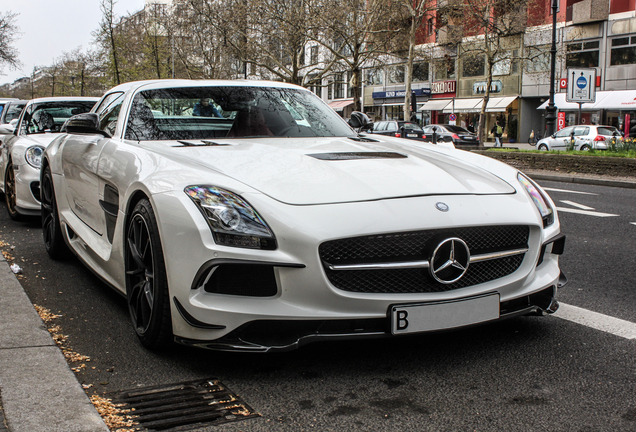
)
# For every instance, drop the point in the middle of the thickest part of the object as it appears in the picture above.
(581, 85)
(452, 117)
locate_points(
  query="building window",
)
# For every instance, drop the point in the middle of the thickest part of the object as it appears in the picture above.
(374, 77)
(538, 59)
(314, 54)
(445, 69)
(430, 27)
(582, 54)
(473, 65)
(623, 51)
(420, 72)
(338, 86)
(395, 74)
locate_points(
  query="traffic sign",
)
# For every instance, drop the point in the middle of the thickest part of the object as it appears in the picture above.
(581, 85)
(452, 117)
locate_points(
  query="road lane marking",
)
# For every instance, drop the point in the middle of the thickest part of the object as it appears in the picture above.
(595, 320)
(577, 205)
(585, 212)
(568, 191)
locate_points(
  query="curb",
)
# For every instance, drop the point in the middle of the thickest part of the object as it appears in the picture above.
(38, 390)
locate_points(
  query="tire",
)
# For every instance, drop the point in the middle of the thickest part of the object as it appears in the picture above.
(543, 147)
(146, 280)
(586, 147)
(54, 242)
(9, 193)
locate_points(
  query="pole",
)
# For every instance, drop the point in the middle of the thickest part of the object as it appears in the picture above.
(550, 115)
(580, 108)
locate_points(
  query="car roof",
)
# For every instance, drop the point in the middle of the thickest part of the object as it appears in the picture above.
(167, 83)
(65, 99)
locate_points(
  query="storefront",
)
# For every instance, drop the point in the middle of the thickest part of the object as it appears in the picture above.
(343, 107)
(612, 108)
(442, 94)
(502, 110)
(389, 105)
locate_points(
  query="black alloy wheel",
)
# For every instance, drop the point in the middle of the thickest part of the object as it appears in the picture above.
(9, 193)
(54, 242)
(146, 280)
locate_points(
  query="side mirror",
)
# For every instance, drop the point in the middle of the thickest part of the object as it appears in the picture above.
(553, 135)
(86, 123)
(359, 120)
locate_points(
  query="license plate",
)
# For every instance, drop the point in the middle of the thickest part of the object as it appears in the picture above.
(411, 135)
(413, 318)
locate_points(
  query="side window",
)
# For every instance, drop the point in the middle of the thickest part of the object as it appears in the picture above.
(109, 112)
(391, 126)
(564, 132)
(380, 126)
(581, 130)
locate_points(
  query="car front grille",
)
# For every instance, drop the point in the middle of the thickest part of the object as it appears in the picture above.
(419, 246)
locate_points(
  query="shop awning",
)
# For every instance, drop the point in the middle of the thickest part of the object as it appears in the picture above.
(499, 104)
(561, 104)
(340, 104)
(617, 100)
(435, 105)
(464, 105)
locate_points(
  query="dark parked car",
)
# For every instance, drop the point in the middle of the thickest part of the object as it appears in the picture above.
(446, 132)
(400, 129)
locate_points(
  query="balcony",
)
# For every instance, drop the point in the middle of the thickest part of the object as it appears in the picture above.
(589, 11)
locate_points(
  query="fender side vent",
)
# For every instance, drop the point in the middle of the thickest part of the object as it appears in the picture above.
(182, 406)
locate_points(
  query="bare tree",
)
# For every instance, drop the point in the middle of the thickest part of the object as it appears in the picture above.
(492, 30)
(355, 33)
(8, 34)
(107, 37)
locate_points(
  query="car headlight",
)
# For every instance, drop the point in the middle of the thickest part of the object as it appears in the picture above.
(33, 156)
(538, 198)
(233, 221)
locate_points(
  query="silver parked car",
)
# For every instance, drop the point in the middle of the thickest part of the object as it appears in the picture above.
(586, 137)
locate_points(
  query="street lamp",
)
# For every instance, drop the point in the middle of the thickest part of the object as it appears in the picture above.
(550, 115)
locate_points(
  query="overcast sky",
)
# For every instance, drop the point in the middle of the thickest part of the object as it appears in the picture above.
(50, 28)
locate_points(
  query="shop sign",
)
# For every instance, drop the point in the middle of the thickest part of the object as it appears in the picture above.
(480, 87)
(400, 93)
(563, 83)
(440, 87)
(560, 120)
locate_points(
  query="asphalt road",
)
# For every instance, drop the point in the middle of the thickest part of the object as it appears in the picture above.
(524, 374)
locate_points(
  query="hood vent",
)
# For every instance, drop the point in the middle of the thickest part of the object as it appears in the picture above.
(357, 155)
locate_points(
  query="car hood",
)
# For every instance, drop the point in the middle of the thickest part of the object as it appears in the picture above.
(304, 171)
(43, 139)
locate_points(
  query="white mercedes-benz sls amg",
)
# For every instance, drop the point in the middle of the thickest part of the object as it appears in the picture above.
(249, 216)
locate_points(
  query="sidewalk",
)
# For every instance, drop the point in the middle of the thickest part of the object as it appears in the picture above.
(38, 390)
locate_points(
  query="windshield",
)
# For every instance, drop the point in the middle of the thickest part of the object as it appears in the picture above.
(412, 126)
(13, 111)
(196, 113)
(50, 116)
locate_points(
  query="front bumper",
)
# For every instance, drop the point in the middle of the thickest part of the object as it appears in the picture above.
(298, 304)
(27, 188)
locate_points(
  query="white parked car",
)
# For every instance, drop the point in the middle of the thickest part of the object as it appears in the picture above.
(277, 224)
(586, 137)
(21, 154)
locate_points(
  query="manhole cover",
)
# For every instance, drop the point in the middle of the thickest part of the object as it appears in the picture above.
(183, 406)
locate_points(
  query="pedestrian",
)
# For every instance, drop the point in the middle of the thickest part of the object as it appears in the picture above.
(497, 131)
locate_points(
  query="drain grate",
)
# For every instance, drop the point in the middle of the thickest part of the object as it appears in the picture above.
(183, 406)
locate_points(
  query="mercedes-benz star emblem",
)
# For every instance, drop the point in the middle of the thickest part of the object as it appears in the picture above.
(450, 261)
(441, 206)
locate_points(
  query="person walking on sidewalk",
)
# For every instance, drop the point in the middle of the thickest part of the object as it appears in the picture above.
(497, 131)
